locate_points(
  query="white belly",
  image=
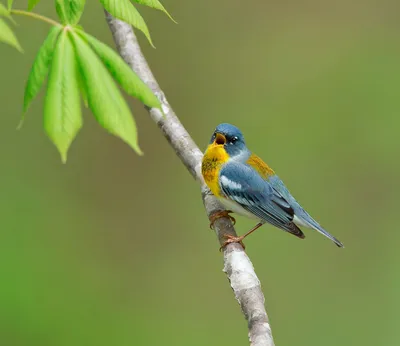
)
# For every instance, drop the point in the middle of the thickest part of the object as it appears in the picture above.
(237, 208)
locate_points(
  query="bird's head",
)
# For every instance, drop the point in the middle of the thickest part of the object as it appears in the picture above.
(230, 138)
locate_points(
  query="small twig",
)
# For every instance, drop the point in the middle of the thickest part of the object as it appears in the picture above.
(237, 265)
(35, 16)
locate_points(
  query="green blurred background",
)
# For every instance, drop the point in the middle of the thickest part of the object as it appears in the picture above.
(115, 249)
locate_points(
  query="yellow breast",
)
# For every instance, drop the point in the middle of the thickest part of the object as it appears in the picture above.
(213, 159)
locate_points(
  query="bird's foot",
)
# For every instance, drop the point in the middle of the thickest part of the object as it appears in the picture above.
(232, 239)
(219, 214)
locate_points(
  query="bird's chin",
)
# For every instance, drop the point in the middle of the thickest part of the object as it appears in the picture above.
(215, 146)
(216, 153)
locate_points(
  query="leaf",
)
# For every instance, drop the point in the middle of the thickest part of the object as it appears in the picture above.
(62, 111)
(40, 67)
(32, 4)
(155, 4)
(105, 100)
(9, 4)
(124, 10)
(4, 12)
(7, 36)
(122, 73)
(82, 88)
(70, 11)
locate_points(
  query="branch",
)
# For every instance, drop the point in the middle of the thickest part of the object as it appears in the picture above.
(237, 265)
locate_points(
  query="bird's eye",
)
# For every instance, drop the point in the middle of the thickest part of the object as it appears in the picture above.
(233, 140)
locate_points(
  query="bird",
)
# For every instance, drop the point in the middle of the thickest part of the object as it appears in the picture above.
(247, 186)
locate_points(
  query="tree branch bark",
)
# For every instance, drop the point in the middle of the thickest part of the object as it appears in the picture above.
(237, 265)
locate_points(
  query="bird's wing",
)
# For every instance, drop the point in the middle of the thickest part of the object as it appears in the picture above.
(242, 184)
(277, 184)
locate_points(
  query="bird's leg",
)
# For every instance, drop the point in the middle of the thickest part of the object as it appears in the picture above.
(232, 239)
(219, 214)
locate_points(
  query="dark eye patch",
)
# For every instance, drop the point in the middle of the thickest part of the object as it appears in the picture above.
(232, 140)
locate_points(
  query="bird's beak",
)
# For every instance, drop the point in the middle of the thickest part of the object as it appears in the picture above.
(219, 139)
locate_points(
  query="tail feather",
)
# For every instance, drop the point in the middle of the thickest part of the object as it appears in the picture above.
(296, 231)
(309, 222)
(328, 235)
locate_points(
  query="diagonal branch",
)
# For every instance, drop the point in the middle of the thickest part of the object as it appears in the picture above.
(237, 265)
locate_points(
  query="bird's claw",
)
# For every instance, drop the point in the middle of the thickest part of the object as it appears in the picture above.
(232, 239)
(219, 214)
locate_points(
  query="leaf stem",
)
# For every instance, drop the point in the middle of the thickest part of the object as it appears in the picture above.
(36, 16)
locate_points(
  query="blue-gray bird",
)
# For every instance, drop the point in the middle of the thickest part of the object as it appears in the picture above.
(246, 185)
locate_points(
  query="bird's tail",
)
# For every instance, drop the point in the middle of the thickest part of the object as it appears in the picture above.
(309, 222)
(319, 229)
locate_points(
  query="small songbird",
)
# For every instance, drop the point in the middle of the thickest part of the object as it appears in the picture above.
(246, 185)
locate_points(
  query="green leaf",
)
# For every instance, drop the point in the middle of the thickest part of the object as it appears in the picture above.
(32, 4)
(7, 36)
(82, 88)
(40, 67)
(62, 111)
(105, 100)
(122, 73)
(9, 4)
(70, 11)
(124, 10)
(4, 12)
(155, 4)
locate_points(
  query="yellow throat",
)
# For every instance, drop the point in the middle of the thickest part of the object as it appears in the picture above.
(213, 159)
